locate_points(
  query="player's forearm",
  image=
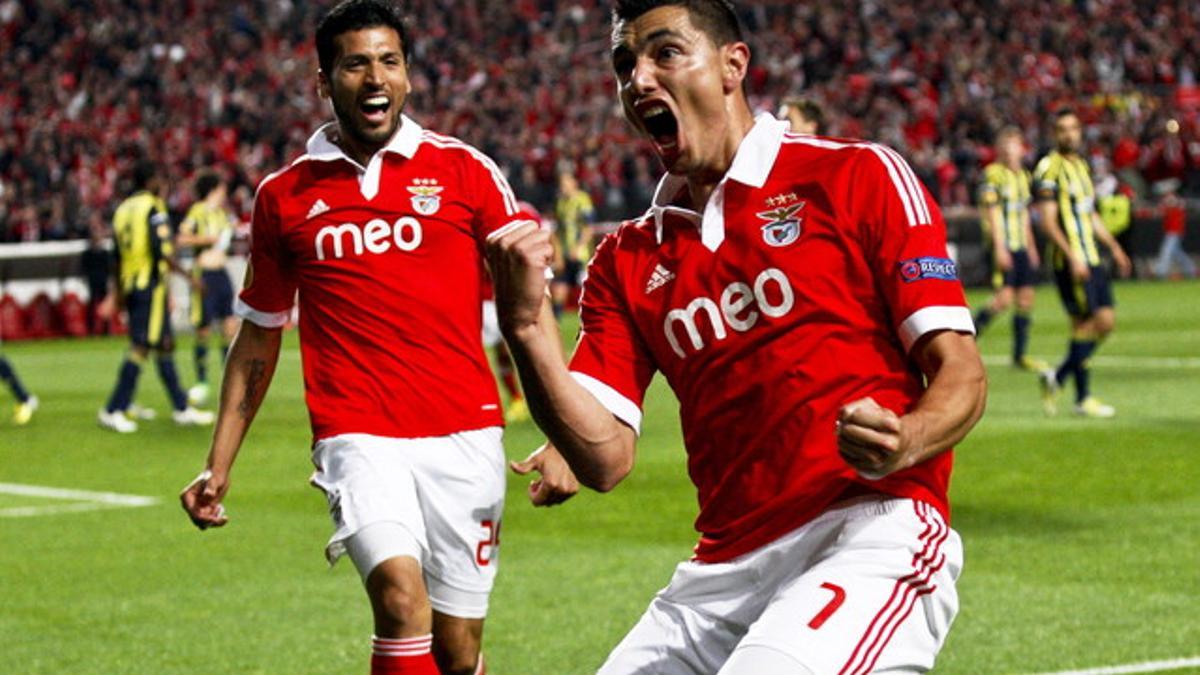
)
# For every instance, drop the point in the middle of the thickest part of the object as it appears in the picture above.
(249, 369)
(953, 401)
(996, 223)
(598, 447)
(1049, 224)
(195, 240)
(1105, 237)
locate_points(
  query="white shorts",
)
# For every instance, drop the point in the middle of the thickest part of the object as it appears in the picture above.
(491, 324)
(869, 586)
(446, 492)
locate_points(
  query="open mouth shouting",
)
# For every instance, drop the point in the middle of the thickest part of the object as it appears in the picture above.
(661, 126)
(375, 107)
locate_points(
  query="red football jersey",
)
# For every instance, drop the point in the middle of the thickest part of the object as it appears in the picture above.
(386, 259)
(816, 265)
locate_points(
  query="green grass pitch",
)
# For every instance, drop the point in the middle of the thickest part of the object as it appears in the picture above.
(1082, 537)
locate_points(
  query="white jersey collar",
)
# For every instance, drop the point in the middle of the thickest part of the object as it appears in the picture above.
(751, 166)
(404, 142)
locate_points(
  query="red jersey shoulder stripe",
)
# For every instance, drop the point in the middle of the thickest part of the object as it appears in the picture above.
(903, 179)
(448, 142)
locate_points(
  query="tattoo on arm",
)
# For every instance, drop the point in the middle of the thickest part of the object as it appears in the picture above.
(249, 404)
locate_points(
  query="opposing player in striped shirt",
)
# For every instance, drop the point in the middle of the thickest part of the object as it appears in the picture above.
(796, 294)
(1067, 204)
(1004, 200)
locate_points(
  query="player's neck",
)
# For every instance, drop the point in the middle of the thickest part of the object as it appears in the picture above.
(703, 180)
(359, 151)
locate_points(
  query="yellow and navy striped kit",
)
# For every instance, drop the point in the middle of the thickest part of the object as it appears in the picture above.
(1010, 190)
(208, 221)
(1066, 180)
(143, 236)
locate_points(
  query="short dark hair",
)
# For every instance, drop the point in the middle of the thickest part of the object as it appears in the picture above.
(354, 15)
(1065, 111)
(810, 109)
(144, 171)
(717, 18)
(206, 182)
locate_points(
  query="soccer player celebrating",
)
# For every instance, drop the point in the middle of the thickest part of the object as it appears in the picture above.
(1066, 200)
(208, 229)
(379, 227)
(1004, 198)
(796, 294)
(145, 256)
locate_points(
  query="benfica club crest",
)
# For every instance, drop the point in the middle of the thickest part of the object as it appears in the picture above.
(425, 199)
(783, 225)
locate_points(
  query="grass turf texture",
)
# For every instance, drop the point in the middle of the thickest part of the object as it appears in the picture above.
(1082, 537)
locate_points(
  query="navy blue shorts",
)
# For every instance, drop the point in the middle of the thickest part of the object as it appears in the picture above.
(149, 320)
(216, 303)
(571, 271)
(1082, 298)
(1021, 274)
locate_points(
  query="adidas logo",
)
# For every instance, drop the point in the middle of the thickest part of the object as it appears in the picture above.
(659, 278)
(317, 209)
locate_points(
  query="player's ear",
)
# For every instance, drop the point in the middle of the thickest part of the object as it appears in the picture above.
(735, 61)
(322, 84)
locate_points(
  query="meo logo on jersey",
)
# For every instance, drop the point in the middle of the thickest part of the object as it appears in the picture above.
(425, 199)
(740, 307)
(783, 226)
(916, 269)
(376, 237)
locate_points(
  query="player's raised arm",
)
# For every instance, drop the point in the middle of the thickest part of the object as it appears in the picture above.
(598, 447)
(248, 372)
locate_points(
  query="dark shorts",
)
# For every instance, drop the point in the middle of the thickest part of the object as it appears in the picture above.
(216, 303)
(1021, 274)
(570, 274)
(1082, 299)
(149, 319)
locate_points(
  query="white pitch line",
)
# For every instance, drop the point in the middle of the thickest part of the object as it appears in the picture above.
(1116, 361)
(81, 500)
(1144, 667)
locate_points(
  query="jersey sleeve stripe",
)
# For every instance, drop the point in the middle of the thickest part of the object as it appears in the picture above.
(929, 319)
(901, 189)
(260, 318)
(622, 408)
(500, 232)
(914, 185)
(445, 142)
(903, 178)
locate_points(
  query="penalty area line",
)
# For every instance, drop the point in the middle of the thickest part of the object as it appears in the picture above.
(79, 500)
(1143, 667)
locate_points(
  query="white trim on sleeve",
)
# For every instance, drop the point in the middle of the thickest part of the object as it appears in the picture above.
(622, 408)
(501, 231)
(259, 318)
(922, 321)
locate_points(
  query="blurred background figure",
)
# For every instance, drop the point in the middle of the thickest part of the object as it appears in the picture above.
(574, 215)
(208, 231)
(1174, 224)
(1004, 200)
(145, 256)
(96, 264)
(804, 115)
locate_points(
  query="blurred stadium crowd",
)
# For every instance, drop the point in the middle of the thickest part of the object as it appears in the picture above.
(88, 86)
